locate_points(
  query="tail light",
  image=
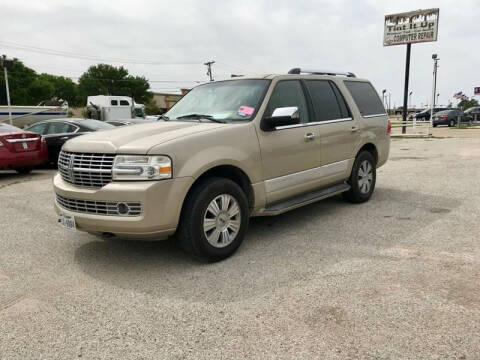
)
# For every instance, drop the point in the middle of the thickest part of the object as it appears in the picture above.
(389, 127)
(443, 116)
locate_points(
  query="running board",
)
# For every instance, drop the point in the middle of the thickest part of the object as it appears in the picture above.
(303, 199)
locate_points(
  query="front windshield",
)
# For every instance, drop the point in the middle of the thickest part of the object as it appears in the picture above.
(231, 100)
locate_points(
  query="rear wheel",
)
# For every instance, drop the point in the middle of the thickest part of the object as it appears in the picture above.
(24, 170)
(214, 219)
(362, 179)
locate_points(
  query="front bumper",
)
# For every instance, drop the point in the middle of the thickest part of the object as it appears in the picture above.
(161, 203)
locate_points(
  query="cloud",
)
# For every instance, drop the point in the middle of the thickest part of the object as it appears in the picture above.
(249, 36)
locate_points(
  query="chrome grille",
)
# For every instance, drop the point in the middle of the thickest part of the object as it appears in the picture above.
(100, 207)
(87, 170)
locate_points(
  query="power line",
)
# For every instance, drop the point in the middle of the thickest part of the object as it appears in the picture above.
(62, 53)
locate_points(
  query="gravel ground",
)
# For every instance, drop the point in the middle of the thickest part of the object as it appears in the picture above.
(395, 278)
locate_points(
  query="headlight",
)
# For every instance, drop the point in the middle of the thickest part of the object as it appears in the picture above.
(139, 167)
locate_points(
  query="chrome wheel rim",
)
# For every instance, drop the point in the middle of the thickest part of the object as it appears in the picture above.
(365, 177)
(222, 220)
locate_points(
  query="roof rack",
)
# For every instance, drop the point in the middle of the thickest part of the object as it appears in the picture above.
(320, 72)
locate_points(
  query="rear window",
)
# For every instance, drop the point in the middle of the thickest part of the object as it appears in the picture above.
(96, 125)
(365, 97)
(328, 104)
(4, 128)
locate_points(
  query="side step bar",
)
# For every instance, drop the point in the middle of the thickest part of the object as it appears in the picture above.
(303, 199)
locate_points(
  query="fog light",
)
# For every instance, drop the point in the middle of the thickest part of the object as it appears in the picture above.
(123, 208)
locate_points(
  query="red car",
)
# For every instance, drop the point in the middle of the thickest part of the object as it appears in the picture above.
(21, 150)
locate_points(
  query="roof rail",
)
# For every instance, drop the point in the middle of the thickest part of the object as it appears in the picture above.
(320, 72)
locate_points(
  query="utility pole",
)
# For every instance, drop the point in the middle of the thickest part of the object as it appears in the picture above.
(410, 100)
(5, 64)
(209, 68)
(383, 97)
(434, 91)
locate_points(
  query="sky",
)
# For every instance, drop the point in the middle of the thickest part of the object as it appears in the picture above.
(168, 41)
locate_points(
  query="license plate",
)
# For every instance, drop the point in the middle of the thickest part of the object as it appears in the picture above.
(25, 146)
(67, 221)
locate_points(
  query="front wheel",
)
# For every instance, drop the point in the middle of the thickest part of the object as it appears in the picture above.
(362, 179)
(214, 219)
(452, 123)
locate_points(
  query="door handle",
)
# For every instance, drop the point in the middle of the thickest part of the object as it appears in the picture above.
(64, 138)
(354, 128)
(309, 136)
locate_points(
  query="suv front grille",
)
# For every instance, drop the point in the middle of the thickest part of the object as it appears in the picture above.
(87, 170)
(100, 207)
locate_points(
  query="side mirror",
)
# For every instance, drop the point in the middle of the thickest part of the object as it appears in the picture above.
(281, 117)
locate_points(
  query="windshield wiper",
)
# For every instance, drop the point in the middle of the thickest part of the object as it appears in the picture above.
(200, 116)
(163, 117)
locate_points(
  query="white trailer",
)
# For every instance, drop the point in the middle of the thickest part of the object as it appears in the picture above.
(109, 107)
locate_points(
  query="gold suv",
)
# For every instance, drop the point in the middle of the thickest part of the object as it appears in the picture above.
(227, 151)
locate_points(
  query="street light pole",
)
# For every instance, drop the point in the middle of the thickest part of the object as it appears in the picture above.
(434, 90)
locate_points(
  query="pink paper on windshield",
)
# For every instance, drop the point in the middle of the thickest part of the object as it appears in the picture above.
(245, 110)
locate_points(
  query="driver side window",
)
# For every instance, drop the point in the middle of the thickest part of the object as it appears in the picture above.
(288, 93)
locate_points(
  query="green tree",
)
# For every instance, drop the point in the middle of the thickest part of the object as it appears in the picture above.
(466, 104)
(20, 77)
(40, 89)
(151, 108)
(104, 79)
(64, 87)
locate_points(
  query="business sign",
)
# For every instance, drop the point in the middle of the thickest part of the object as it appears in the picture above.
(476, 90)
(411, 27)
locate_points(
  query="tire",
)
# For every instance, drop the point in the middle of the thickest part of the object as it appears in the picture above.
(362, 186)
(208, 236)
(451, 123)
(24, 170)
(434, 125)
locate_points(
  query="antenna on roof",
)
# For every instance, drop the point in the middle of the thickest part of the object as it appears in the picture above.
(320, 72)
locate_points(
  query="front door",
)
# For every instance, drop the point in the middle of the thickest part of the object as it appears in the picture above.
(290, 154)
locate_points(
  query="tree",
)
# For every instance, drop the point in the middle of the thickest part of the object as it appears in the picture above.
(466, 104)
(64, 88)
(40, 89)
(104, 79)
(20, 77)
(28, 88)
(151, 108)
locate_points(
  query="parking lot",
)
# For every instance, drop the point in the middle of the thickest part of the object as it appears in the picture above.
(397, 277)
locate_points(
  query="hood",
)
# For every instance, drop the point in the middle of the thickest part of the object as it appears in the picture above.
(136, 139)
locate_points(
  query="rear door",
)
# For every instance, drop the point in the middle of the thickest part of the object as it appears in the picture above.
(57, 134)
(338, 129)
